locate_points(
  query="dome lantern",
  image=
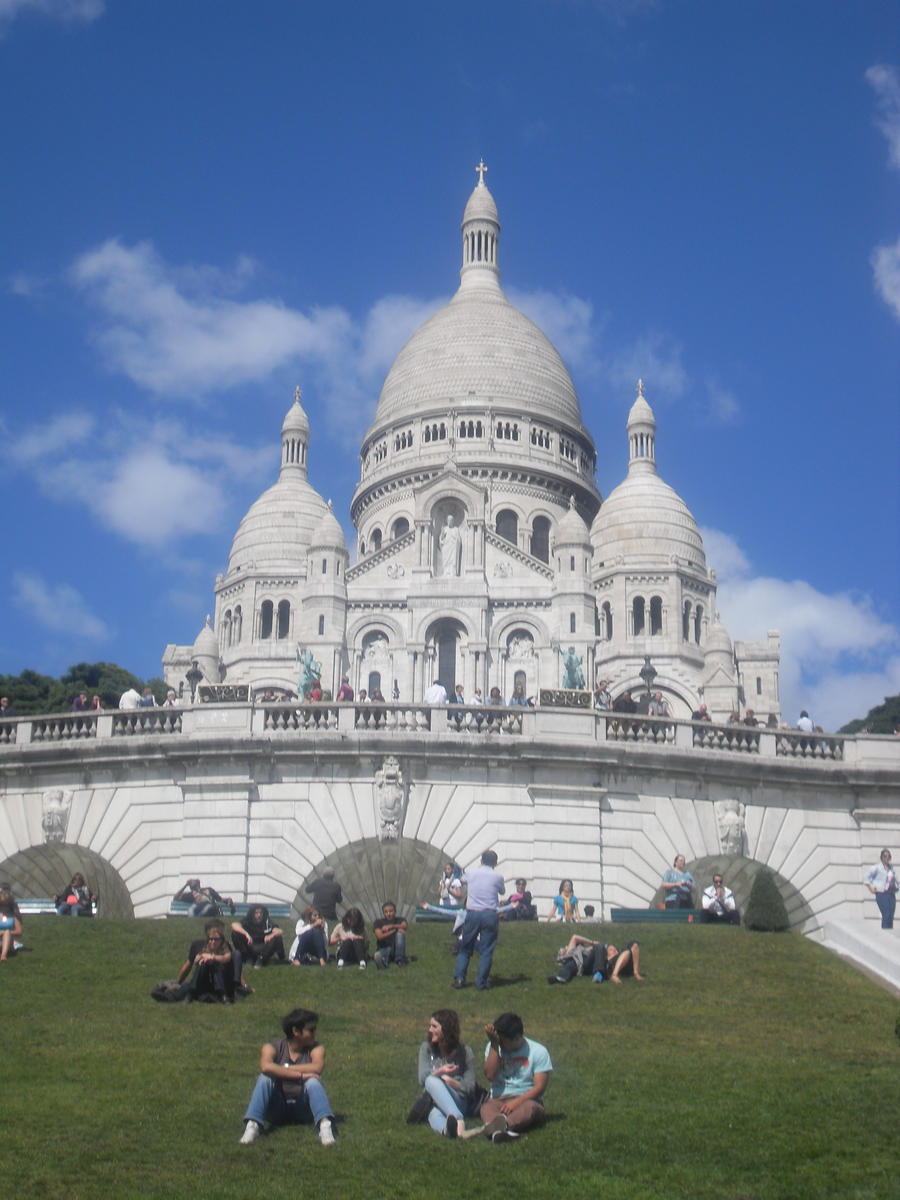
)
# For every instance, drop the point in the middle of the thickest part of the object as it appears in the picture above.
(480, 235)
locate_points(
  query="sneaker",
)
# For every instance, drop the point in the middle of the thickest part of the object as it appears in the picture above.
(552, 979)
(326, 1132)
(252, 1130)
(362, 965)
(498, 1125)
(598, 977)
(380, 964)
(451, 1129)
(458, 983)
(340, 963)
(504, 1135)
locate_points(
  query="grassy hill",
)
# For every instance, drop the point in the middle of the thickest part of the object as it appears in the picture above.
(747, 1065)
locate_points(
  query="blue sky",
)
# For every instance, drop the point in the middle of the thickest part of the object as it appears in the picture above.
(205, 204)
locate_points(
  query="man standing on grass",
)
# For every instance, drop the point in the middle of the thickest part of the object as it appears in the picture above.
(518, 1070)
(390, 934)
(289, 1088)
(486, 886)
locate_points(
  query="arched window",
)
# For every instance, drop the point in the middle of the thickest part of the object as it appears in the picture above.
(376, 540)
(686, 622)
(698, 623)
(508, 525)
(637, 616)
(236, 625)
(571, 622)
(265, 619)
(400, 526)
(656, 624)
(321, 624)
(607, 620)
(520, 680)
(284, 619)
(374, 681)
(362, 547)
(540, 539)
(226, 628)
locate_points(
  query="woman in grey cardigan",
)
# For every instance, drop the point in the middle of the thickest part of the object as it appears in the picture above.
(447, 1074)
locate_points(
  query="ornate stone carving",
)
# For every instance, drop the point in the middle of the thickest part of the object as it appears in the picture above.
(55, 806)
(395, 570)
(730, 818)
(520, 646)
(391, 794)
(503, 570)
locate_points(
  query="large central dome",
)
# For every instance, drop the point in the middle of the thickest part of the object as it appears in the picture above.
(480, 350)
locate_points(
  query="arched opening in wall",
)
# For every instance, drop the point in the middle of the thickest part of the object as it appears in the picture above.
(442, 647)
(265, 619)
(738, 874)
(42, 871)
(226, 628)
(371, 872)
(521, 664)
(637, 616)
(508, 525)
(698, 623)
(374, 682)
(284, 619)
(376, 540)
(656, 616)
(686, 622)
(449, 538)
(237, 623)
(520, 680)
(606, 620)
(400, 526)
(540, 539)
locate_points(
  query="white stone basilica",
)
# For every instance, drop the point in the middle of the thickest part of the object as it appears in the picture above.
(485, 554)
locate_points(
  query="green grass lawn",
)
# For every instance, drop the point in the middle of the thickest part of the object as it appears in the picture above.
(747, 1065)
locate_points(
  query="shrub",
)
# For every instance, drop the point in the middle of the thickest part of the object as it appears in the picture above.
(765, 908)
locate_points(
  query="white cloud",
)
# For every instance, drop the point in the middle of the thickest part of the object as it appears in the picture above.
(838, 657)
(56, 10)
(885, 82)
(655, 358)
(886, 270)
(568, 321)
(59, 608)
(47, 440)
(723, 407)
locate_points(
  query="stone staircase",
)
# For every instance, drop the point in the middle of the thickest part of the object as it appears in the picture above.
(869, 947)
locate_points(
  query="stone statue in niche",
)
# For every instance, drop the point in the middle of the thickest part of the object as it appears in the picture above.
(450, 542)
(390, 792)
(520, 647)
(730, 818)
(55, 805)
(573, 678)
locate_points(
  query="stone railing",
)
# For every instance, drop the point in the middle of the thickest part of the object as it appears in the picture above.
(289, 719)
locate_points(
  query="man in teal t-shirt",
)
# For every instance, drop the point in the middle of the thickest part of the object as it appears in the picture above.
(518, 1070)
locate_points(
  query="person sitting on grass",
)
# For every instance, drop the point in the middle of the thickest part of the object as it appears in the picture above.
(10, 925)
(76, 898)
(350, 939)
(600, 960)
(310, 946)
(257, 939)
(564, 906)
(520, 907)
(390, 934)
(289, 1088)
(447, 1074)
(518, 1070)
(213, 979)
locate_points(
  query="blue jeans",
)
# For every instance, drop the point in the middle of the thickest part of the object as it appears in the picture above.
(268, 1103)
(447, 1103)
(393, 949)
(485, 923)
(312, 942)
(887, 903)
(72, 910)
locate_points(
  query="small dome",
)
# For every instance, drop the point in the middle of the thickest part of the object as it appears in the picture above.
(481, 206)
(296, 420)
(328, 532)
(644, 520)
(572, 530)
(718, 640)
(206, 644)
(641, 412)
(278, 528)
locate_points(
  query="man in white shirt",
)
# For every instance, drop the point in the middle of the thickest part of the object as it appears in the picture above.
(718, 903)
(485, 887)
(130, 700)
(436, 694)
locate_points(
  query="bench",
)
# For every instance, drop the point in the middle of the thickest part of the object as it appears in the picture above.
(654, 916)
(181, 908)
(32, 906)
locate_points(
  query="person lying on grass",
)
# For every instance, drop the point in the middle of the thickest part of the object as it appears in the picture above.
(598, 959)
(518, 1070)
(289, 1088)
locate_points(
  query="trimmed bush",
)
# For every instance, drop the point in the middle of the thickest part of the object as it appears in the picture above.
(765, 908)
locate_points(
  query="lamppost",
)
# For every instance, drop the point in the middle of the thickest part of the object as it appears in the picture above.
(193, 676)
(648, 673)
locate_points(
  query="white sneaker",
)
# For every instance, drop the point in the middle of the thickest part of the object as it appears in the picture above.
(326, 1133)
(252, 1130)
(362, 966)
(340, 963)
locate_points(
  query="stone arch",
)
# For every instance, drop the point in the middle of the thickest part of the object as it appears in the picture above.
(738, 873)
(370, 872)
(40, 871)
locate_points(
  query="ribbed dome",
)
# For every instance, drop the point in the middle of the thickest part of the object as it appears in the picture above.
(296, 420)
(277, 530)
(478, 344)
(481, 206)
(206, 643)
(571, 530)
(644, 520)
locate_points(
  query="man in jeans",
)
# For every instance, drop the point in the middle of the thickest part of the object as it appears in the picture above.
(485, 886)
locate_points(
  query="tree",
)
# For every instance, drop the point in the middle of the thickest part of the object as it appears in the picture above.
(32, 694)
(765, 911)
(883, 718)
